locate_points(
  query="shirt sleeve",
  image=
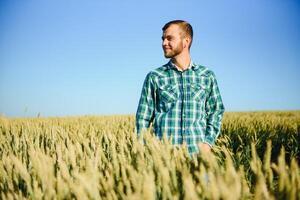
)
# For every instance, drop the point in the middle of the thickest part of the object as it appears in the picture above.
(214, 112)
(145, 111)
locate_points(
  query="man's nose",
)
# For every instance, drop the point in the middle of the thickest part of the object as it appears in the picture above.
(164, 43)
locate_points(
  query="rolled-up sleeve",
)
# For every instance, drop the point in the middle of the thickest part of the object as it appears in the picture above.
(145, 110)
(214, 112)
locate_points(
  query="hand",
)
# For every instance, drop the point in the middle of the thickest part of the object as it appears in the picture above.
(204, 147)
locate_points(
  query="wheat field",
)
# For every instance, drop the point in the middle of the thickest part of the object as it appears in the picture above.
(257, 156)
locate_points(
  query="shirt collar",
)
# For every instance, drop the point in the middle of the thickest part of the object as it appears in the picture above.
(192, 65)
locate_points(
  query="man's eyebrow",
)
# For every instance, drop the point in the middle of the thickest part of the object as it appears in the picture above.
(167, 36)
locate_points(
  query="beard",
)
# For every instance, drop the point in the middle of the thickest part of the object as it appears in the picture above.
(171, 53)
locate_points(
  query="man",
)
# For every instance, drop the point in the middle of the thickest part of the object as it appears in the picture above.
(181, 98)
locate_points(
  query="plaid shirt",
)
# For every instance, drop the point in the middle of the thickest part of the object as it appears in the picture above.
(184, 105)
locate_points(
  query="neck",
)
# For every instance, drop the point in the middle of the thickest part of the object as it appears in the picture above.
(182, 62)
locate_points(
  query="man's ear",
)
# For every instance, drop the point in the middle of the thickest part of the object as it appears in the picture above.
(187, 41)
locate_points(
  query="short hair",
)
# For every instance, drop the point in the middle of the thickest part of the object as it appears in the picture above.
(184, 26)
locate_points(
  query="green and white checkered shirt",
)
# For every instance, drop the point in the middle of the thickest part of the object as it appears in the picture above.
(185, 105)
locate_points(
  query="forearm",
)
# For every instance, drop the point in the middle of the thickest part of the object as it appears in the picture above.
(213, 126)
(145, 111)
(214, 112)
(142, 123)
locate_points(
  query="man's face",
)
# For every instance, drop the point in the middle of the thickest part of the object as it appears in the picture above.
(172, 41)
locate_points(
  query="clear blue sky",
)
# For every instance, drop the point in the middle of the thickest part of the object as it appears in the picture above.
(63, 58)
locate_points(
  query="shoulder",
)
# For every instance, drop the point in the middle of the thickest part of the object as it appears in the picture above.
(158, 72)
(204, 71)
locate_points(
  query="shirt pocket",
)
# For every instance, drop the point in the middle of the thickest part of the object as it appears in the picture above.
(168, 93)
(198, 91)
